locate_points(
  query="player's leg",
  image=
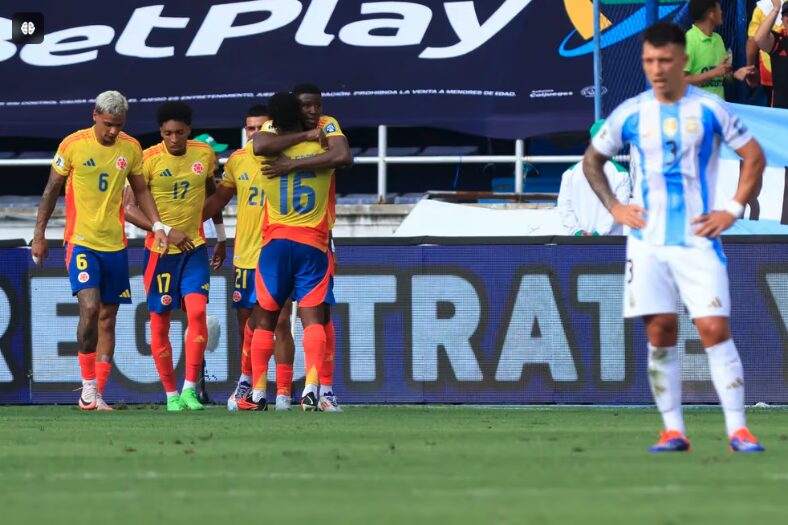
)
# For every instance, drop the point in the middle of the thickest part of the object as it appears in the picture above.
(243, 301)
(115, 290)
(161, 289)
(704, 289)
(194, 285)
(650, 293)
(327, 401)
(284, 354)
(312, 289)
(105, 349)
(273, 285)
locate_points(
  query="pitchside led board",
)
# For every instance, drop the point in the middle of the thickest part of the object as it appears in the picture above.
(422, 322)
(499, 68)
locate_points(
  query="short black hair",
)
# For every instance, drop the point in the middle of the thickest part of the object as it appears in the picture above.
(179, 111)
(306, 89)
(285, 111)
(699, 8)
(258, 110)
(662, 34)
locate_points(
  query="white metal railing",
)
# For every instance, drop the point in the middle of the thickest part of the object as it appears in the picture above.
(383, 160)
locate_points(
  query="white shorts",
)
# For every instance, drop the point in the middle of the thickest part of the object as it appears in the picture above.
(656, 277)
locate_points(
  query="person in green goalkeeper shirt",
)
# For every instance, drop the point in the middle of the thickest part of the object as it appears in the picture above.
(709, 64)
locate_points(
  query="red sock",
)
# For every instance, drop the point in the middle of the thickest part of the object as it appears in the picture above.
(246, 352)
(327, 365)
(284, 380)
(161, 350)
(314, 351)
(103, 369)
(87, 364)
(262, 350)
(197, 335)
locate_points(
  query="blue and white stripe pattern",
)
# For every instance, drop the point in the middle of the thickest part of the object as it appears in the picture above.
(675, 151)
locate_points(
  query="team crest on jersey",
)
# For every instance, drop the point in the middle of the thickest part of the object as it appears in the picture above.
(198, 168)
(121, 163)
(166, 300)
(236, 296)
(692, 125)
(670, 127)
(83, 277)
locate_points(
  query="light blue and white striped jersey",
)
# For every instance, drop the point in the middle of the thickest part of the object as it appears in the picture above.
(674, 155)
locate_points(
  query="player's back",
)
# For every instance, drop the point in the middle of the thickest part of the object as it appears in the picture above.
(242, 174)
(297, 205)
(96, 178)
(674, 155)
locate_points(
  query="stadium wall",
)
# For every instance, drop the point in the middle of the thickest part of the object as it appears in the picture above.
(426, 320)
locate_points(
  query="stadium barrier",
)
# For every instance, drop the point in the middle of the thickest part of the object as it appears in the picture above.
(426, 320)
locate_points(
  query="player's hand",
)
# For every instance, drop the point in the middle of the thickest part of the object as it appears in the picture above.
(317, 135)
(744, 72)
(630, 215)
(39, 250)
(714, 223)
(279, 167)
(777, 4)
(754, 80)
(722, 70)
(219, 254)
(160, 238)
(181, 240)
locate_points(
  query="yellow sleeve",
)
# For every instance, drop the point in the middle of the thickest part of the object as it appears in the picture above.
(136, 161)
(331, 127)
(268, 127)
(147, 168)
(228, 178)
(61, 163)
(755, 22)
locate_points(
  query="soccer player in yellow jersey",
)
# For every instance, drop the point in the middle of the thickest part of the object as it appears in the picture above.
(179, 172)
(93, 164)
(242, 177)
(337, 155)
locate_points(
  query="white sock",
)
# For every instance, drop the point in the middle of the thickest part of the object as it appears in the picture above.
(664, 376)
(189, 384)
(87, 382)
(172, 394)
(257, 395)
(246, 378)
(727, 375)
(308, 389)
(326, 389)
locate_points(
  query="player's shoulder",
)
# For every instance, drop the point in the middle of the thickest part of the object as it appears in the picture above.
(200, 148)
(630, 106)
(708, 100)
(75, 138)
(130, 141)
(236, 157)
(268, 127)
(153, 152)
(328, 124)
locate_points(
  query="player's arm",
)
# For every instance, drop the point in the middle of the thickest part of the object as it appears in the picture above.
(721, 70)
(763, 36)
(753, 162)
(630, 215)
(53, 189)
(220, 250)
(140, 210)
(336, 156)
(272, 144)
(216, 202)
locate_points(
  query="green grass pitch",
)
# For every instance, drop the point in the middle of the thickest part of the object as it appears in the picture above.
(373, 465)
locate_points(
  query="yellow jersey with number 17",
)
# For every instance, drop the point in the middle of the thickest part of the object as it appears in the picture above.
(177, 183)
(94, 190)
(297, 206)
(242, 174)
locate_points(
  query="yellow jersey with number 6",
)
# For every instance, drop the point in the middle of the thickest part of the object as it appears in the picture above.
(94, 189)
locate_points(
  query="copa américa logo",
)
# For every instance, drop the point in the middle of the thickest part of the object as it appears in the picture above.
(581, 14)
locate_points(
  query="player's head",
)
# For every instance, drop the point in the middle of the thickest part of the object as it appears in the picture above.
(664, 57)
(109, 114)
(175, 125)
(311, 100)
(702, 10)
(255, 118)
(285, 112)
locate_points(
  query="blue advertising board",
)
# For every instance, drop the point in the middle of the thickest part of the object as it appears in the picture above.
(466, 322)
(502, 68)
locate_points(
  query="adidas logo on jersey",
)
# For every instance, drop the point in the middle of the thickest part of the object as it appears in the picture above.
(126, 294)
(244, 176)
(716, 303)
(165, 173)
(89, 163)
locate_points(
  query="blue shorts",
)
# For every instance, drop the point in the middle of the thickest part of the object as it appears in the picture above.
(244, 295)
(107, 271)
(170, 278)
(292, 269)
